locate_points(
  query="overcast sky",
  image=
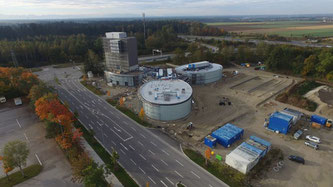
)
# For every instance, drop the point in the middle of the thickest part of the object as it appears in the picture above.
(130, 8)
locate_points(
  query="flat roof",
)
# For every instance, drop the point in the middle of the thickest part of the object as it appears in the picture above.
(210, 67)
(282, 116)
(166, 92)
(228, 131)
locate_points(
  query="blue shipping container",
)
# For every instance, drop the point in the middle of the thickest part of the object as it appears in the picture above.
(318, 119)
(262, 142)
(253, 148)
(210, 141)
(280, 122)
(228, 134)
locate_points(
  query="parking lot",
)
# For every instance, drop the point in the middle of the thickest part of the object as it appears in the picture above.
(20, 123)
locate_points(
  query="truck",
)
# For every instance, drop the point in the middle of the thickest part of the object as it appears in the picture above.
(321, 120)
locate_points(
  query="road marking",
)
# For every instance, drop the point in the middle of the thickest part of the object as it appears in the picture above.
(140, 143)
(93, 102)
(151, 152)
(179, 163)
(179, 174)
(18, 123)
(142, 135)
(210, 185)
(124, 147)
(105, 135)
(81, 106)
(113, 142)
(40, 163)
(133, 128)
(164, 184)
(155, 168)
(123, 151)
(169, 181)
(195, 174)
(142, 171)
(142, 157)
(125, 122)
(153, 143)
(133, 161)
(165, 152)
(26, 138)
(131, 147)
(90, 126)
(152, 180)
(117, 117)
(164, 162)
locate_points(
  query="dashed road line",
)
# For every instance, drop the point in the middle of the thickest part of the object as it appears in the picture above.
(123, 151)
(26, 138)
(155, 168)
(170, 181)
(164, 162)
(18, 123)
(133, 161)
(152, 180)
(178, 174)
(113, 142)
(210, 185)
(133, 129)
(151, 152)
(164, 184)
(140, 143)
(179, 163)
(124, 147)
(165, 152)
(142, 171)
(195, 174)
(131, 147)
(142, 157)
(153, 143)
(142, 135)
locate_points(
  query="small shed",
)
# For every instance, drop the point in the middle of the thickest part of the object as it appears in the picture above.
(228, 134)
(280, 122)
(210, 141)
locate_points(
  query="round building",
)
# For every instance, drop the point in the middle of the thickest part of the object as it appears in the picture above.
(201, 72)
(166, 100)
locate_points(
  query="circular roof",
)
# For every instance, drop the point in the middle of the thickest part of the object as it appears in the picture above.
(166, 92)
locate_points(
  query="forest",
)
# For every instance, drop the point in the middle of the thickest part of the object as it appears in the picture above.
(39, 44)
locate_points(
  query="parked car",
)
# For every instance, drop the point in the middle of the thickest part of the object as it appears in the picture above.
(297, 159)
(298, 134)
(313, 139)
(312, 144)
(2, 99)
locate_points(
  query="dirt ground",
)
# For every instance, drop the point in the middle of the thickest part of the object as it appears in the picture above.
(323, 96)
(251, 94)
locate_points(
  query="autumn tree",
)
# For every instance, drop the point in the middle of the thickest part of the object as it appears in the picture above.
(15, 154)
(142, 113)
(78, 165)
(309, 65)
(6, 168)
(37, 91)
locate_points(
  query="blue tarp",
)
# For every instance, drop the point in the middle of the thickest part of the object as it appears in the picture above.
(228, 134)
(280, 122)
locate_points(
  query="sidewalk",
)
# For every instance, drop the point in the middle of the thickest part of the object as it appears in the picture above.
(111, 179)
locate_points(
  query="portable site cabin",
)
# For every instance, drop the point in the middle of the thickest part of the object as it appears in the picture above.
(228, 134)
(210, 141)
(280, 122)
(295, 114)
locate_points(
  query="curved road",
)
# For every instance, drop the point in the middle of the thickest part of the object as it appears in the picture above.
(145, 156)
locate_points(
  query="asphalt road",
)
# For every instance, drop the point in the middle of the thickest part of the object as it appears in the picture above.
(144, 155)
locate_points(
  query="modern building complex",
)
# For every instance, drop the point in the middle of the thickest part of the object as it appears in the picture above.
(248, 154)
(201, 72)
(166, 99)
(121, 59)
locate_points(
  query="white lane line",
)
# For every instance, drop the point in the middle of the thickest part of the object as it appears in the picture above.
(124, 147)
(195, 174)
(133, 161)
(164, 184)
(105, 135)
(151, 152)
(117, 117)
(179, 174)
(133, 129)
(170, 181)
(26, 138)
(113, 142)
(18, 123)
(142, 135)
(90, 126)
(164, 162)
(210, 185)
(142, 157)
(165, 152)
(155, 168)
(179, 163)
(153, 143)
(152, 180)
(131, 147)
(81, 106)
(140, 143)
(125, 122)
(123, 151)
(142, 171)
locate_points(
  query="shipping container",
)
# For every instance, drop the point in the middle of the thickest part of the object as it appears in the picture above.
(318, 119)
(210, 141)
(262, 142)
(280, 122)
(228, 134)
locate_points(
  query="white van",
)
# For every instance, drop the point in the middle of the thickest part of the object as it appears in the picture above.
(18, 101)
(2, 100)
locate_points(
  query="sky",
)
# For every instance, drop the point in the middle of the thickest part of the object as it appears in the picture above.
(134, 8)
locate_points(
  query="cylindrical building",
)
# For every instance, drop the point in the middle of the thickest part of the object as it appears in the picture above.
(166, 100)
(201, 72)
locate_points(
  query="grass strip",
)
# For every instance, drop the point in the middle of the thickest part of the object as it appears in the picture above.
(16, 178)
(91, 88)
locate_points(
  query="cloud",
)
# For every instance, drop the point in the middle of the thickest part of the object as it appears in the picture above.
(163, 7)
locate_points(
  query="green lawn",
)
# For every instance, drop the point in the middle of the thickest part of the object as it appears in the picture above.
(268, 24)
(16, 178)
(300, 33)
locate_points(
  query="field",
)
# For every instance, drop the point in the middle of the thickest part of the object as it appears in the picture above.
(282, 28)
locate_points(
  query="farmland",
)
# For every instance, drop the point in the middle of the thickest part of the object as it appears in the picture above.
(282, 28)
